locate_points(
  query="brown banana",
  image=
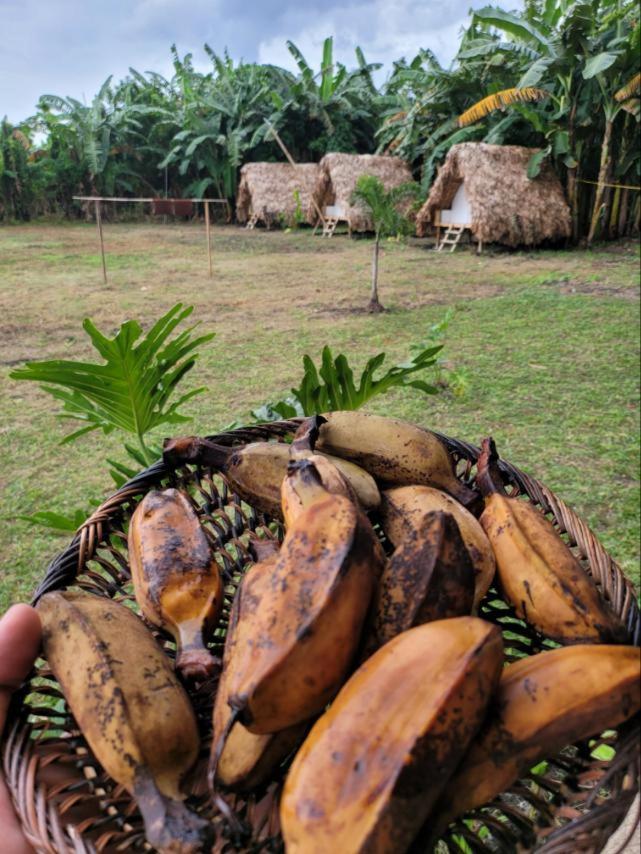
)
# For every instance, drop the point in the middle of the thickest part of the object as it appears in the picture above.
(543, 703)
(429, 577)
(395, 452)
(403, 508)
(333, 473)
(246, 760)
(132, 710)
(177, 581)
(374, 764)
(298, 628)
(256, 471)
(537, 572)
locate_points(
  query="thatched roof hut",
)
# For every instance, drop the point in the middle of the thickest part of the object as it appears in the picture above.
(486, 188)
(337, 178)
(273, 191)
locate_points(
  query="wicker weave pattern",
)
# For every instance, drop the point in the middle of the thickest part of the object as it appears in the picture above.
(68, 804)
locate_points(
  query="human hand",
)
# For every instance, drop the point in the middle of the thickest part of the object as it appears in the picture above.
(20, 637)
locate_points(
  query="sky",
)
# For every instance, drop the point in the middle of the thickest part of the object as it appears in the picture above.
(68, 47)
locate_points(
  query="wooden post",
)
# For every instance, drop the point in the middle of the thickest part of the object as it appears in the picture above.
(102, 245)
(283, 148)
(208, 230)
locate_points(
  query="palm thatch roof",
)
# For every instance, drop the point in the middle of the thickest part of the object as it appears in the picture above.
(506, 206)
(275, 191)
(337, 178)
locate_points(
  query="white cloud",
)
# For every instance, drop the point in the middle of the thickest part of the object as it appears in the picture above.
(71, 46)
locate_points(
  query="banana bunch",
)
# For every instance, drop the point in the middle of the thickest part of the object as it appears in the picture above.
(423, 723)
(135, 715)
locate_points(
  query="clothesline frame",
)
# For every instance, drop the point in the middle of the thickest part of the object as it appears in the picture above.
(97, 200)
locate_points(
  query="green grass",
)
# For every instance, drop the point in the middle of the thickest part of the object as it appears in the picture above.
(548, 343)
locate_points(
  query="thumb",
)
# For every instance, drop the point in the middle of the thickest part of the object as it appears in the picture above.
(20, 637)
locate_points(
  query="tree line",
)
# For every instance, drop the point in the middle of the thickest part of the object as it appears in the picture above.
(560, 76)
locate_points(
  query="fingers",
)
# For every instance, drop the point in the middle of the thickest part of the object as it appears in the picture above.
(20, 636)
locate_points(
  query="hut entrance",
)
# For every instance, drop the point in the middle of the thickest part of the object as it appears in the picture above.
(456, 219)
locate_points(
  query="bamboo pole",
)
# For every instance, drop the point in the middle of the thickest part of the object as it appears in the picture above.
(283, 148)
(102, 244)
(208, 230)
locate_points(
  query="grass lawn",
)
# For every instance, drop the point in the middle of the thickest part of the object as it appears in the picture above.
(547, 342)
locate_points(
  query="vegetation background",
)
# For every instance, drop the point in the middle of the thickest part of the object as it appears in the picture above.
(562, 76)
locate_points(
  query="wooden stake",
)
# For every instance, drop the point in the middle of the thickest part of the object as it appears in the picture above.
(102, 245)
(208, 230)
(283, 148)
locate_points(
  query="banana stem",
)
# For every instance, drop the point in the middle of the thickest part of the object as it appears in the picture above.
(193, 660)
(306, 437)
(488, 477)
(169, 825)
(217, 798)
(193, 449)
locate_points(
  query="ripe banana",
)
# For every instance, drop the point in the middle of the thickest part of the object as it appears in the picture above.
(395, 452)
(177, 581)
(298, 628)
(132, 710)
(543, 703)
(372, 766)
(293, 501)
(538, 573)
(246, 760)
(403, 509)
(256, 471)
(429, 577)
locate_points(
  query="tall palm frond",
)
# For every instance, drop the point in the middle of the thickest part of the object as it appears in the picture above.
(632, 87)
(500, 100)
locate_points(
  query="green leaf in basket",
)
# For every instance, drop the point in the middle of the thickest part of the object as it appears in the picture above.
(539, 769)
(604, 752)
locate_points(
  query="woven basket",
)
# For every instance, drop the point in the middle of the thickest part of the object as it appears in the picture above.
(67, 803)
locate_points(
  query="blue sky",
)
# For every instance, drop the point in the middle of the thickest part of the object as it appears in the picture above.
(67, 47)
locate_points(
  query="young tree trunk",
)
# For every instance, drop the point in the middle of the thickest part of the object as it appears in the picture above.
(374, 304)
(603, 171)
(573, 187)
(623, 213)
(573, 199)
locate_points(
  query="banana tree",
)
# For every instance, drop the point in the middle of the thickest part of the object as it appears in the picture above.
(330, 110)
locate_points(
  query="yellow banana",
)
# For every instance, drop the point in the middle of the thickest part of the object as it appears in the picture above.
(132, 710)
(299, 627)
(256, 471)
(177, 581)
(374, 764)
(538, 573)
(543, 703)
(404, 508)
(429, 577)
(395, 452)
